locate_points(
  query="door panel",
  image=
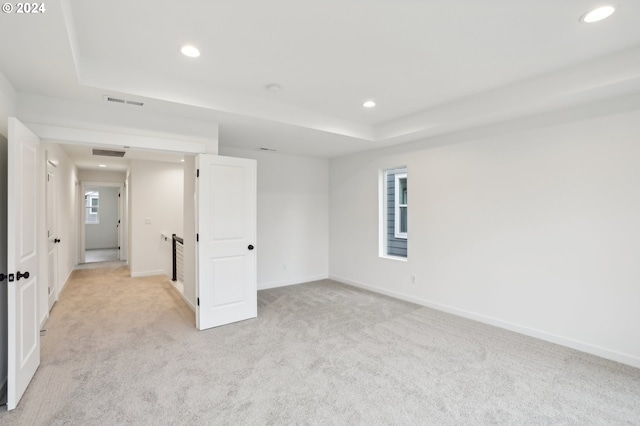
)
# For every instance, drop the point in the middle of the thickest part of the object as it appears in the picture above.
(22, 257)
(226, 285)
(227, 270)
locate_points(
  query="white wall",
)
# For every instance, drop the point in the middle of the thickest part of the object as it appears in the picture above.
(101, 176)
(8, 103)
(293, 217)
(104, 235)
(156, 208)
(534, 231)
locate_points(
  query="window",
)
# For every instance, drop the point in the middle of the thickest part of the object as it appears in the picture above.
(91, 206)
(400, 202)
(394, 213)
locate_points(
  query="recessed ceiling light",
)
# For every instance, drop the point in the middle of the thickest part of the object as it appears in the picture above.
(597, 14)
(369, 104)
(273, 87)
(190, 51)
(102, 165)
(182, 160)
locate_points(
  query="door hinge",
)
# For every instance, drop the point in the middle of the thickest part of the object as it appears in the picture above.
(118, 220)
(118, 195)
(118, 247)
(198, 301)
(197, 237)
(49, 289)
(197, 172)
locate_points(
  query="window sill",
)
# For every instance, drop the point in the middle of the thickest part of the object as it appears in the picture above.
(401, 259)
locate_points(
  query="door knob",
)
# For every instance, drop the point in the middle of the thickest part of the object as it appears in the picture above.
(19, 275)
(57, 240)
(250, 247)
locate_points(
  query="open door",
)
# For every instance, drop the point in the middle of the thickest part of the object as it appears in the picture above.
(226, 288)
(22, 260)
(52, 234)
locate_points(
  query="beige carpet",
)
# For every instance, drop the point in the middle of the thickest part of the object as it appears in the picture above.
(124, 351)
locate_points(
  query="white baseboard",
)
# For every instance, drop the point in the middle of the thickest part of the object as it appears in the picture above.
(532, 332)
(275, 284)
(148, 273)
(66, 280)
(177, 289)
(44, 320)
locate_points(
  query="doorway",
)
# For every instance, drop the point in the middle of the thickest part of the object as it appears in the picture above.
(52, 232)
(101, 222)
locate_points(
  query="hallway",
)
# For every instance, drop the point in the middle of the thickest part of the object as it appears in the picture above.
(99, 338)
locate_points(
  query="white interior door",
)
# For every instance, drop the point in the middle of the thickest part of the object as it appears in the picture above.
(120, 225)
(226, 218)
(52, 235)
(22, 260)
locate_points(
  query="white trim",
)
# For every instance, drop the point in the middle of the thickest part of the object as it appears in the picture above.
(149, 273)
(383, 240)
(382, 213)
(397, 206)
(64, 284)
(43, 321)
(177, 290)
(527, 331)
(75, 136)
(295, 281)
(389, 257)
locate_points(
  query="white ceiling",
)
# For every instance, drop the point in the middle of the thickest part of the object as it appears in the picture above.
(433, 67)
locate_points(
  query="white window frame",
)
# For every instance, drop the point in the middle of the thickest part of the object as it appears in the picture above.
(383, 206)
(398, 206)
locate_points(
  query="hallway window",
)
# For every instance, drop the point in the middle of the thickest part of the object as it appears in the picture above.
(91, 204)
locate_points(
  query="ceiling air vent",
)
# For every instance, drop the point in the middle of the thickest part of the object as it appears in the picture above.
(122, 101)
(107, 153)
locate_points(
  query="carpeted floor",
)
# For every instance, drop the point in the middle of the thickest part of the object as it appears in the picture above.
(124, 351)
